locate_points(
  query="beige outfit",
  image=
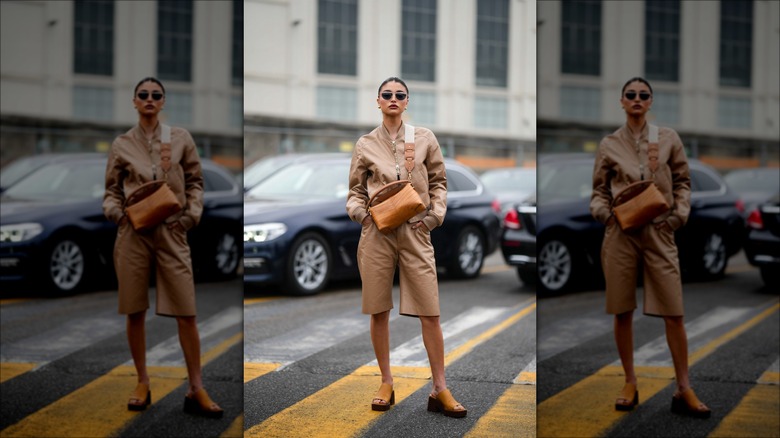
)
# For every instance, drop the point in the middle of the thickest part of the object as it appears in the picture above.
(374, 165)
(621, 161)
(133, 161)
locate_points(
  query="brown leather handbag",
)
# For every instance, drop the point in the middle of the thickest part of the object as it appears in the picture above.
(639, 203)
(154, 201)
(397, 202)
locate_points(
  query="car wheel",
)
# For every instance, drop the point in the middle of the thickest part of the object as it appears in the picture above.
(226, 256)
(67, 266)
(771, 277)
(469, 254)
(713, 256)
(556, 266)
(527, 276)
(309, 264)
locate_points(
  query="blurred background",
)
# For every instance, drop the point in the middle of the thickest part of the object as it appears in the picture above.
(69, 69)
(312, 70)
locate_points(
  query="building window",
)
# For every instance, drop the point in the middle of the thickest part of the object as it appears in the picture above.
(422, 108)
(492, 42)
(238, 42)
(662, 40)
(580, 103)
(666, 107)
(735, 112)
(178, 108)
(237, 111)
(581, 37)
(736, 42)
(337, 37)
(418, 40)
(337, 103)
(93, 103)
(490, 113)
(93, 37)
(174, 40)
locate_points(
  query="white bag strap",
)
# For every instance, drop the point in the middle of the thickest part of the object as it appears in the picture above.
(165, 149)
(652, 149)
(409, 149)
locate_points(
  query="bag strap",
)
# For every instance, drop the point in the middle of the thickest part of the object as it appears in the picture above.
(652, 149)
(165, 149)
(409, 149)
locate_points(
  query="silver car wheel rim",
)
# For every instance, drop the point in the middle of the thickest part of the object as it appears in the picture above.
(470, 253)
(310, 264)
(554, 265)
(227, 254)
(714, 254)
(66, 266)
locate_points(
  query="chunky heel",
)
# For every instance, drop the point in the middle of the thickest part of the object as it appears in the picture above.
(686, 403)
(446, 404)
(199, 403)
(139, 402)
(626, 401)
(385, 394)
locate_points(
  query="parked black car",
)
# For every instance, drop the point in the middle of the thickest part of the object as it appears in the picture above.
(518, 239)
(267, 166)
(511, 185)
(297, 232)
(569, 239)
(754, 186)
(19, 168)
(52, 226)
(762, 246)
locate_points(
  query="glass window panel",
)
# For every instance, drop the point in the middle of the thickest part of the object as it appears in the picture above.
(736, 42)
(337, 103)
(422, 108)
(662, 40)
(492, 43)
(417, 63)
(337, 29)
(581, 37)
(178, 108)
(666, 107)
(580, 103)
(174, 40)
(93, 103)
(93, 37)
(735, 112)
(490, 112)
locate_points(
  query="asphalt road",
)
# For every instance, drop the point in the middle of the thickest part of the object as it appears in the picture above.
(66, 370)
(733, 328)
(310, 370)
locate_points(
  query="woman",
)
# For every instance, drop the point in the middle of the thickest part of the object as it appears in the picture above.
(378, 159)
(622, 158)
(135, 158)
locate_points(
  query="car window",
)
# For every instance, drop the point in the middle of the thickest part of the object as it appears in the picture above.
(703, 182)
(305, 180)
(561, 181)
(459, 182)
(508, 180)
(62, 181)
(17, 170)
(758, 180)
(214, 182)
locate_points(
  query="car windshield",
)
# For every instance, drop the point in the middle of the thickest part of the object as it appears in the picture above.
(565, 181)
(763, 181)
(509, 180)
(320, 180)
(260, 170)
(18, 169)
(61, 181)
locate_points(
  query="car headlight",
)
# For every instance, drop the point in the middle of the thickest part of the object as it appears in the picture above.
(19, 232)
(263, 232)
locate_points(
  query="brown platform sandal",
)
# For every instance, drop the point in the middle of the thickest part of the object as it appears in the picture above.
(629, 397)
(686, 403)
(199, 403)
(140, 398)
(446, 404)
(385, 394)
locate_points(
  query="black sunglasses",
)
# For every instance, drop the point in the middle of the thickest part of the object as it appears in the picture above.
(387, 95)
(631, 95)
(156, 95)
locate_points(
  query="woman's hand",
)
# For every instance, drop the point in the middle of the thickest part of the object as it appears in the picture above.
(610, 220)
(122, 220)
(368, 220)
(174, 225)
(663, 225)
(419, 224)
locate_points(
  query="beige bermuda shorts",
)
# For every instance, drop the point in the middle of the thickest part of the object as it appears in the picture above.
(410, 250)
(134, 254)
(620, 256)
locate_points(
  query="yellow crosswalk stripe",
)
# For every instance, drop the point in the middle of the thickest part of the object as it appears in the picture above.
(513, 414)
(757, 412)
(236, 428)
(343, 408)
(9, 370)
(594, 396)
(250, 301)
(255, 370)
(99, 408)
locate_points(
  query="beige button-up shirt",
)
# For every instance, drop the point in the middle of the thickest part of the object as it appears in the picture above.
(133, 161)
(621, 160)
(374, 165)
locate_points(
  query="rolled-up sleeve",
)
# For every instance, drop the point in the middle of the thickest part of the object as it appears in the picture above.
(114, 196)
(601, 197)
(681, 185)
(193, 184)
(357, 199)
(437, 185)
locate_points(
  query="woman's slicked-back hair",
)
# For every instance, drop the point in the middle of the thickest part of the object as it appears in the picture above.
(392, 79)
(636, 79)
(148, 79)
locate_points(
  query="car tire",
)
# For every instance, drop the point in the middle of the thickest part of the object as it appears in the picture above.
(66, 266)
(527, 276)
(309, 264)
(226, 256)
(469, 254)
(556, 267)
(771, 277)
(713, 257)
